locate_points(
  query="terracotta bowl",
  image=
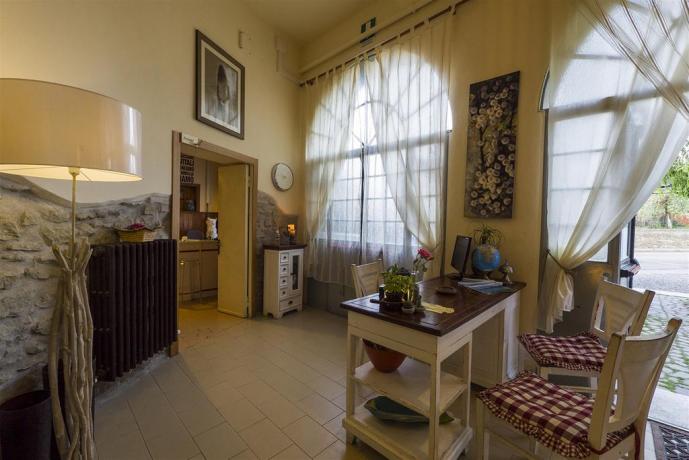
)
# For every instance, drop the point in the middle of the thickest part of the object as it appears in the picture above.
(384, 359)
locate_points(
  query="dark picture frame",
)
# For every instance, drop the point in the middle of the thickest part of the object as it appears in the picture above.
(220, 88)
(491, 147)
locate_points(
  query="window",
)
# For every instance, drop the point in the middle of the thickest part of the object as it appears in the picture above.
(376, 155)
(362, 206)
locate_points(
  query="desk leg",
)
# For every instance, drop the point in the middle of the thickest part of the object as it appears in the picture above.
(352, 358)
(434, 419)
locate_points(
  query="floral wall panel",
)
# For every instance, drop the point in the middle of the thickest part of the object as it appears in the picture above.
(491, 147)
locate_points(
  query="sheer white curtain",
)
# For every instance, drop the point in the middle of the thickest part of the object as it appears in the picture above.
(329, 106)
(617, 118)
(375, 180)
(409, 84)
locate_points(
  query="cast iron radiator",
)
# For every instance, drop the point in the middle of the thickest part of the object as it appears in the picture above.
(132, 291)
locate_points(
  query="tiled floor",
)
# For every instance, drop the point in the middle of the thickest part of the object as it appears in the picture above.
(240, 389)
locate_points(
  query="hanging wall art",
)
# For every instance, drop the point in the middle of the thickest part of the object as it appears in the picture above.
(491, 147)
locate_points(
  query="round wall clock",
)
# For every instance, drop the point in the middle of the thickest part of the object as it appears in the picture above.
(282, 177)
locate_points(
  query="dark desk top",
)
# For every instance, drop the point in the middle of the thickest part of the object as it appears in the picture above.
(467, 304)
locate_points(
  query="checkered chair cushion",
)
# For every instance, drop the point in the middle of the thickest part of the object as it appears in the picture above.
(581, 352)
(556, 417)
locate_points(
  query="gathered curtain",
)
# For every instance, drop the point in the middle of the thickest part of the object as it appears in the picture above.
(618, 116)
(375, 155)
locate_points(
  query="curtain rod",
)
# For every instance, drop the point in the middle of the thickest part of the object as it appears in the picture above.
(452, 8)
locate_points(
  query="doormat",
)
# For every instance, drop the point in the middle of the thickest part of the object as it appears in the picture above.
(670, 443)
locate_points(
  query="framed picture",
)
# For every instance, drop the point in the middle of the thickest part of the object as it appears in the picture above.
(491, 147)
(219, 88)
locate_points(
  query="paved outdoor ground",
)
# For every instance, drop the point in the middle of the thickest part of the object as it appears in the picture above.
(663, 270)
(675, 376)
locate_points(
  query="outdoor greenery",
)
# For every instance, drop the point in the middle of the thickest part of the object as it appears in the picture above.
(668, 207)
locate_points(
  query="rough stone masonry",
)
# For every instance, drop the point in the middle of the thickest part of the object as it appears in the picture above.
(31, 220)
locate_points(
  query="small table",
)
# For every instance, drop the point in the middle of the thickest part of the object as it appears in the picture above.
(477, 343)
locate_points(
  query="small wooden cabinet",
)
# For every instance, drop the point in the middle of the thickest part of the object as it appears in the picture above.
(198, 269)
(283, 279)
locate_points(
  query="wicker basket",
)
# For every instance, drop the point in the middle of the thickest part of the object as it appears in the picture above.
(136, 236)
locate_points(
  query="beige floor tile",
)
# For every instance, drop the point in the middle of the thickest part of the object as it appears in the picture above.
(155, 421)
(291, 453)
(239, 377)
(198, 457)
(241, 414)
(319, 408)
(223, 393)
(258, 392)
(124, 446)
(340, 451)
(280, 411)
(114, 419)
(336, 428)
(265, 439)
(309, 436)
(172, 445)
(326, 387)
(201, 418)
(220, 443)
(245, 455)
(183, 400)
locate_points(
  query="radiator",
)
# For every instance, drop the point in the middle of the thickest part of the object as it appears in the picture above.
(132, 291)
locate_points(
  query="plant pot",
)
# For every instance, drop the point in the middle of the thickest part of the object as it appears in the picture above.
(26, 425)
(383, 359)
(394, 297)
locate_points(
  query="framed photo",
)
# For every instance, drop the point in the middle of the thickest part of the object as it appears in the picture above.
(219, 88)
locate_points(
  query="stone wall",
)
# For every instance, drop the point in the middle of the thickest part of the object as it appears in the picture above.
(268, 218)
(31, 220)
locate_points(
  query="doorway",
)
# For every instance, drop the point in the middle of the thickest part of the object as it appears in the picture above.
(213, 220)
(661, 247)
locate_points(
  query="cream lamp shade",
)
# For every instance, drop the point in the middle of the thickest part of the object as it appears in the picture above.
(48, 128)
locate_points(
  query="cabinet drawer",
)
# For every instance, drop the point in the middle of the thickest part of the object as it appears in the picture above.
(284, 282)
(290, 303)
(285, 292)
(284, 257)
(284, 270)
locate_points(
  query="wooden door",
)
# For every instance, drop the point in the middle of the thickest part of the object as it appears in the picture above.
(233, 233)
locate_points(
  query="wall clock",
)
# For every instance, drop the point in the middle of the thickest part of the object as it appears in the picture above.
(282, 176)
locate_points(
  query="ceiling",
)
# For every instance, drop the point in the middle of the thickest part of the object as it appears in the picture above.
(304, 20)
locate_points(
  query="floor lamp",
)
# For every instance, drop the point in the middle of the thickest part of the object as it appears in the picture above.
(54, 131)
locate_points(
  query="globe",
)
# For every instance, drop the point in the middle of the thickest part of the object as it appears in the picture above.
(485, 258)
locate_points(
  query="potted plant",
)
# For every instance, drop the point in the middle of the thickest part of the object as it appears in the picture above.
(423, 256)
(486, 257)
(398, 285)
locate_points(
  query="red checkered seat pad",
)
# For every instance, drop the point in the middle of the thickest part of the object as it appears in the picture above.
(581, 352)
(557, 418)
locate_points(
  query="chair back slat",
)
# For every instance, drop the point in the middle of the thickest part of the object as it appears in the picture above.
(367, 277)
(627, 382)
(618, 309)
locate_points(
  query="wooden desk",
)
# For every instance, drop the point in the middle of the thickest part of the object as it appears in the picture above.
(477, 343)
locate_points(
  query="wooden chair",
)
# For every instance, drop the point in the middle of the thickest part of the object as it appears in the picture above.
(617, 309)
(367, 277)
(571, 425)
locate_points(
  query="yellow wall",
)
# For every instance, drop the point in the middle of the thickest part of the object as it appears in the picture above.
(495, 37)
(143, 53)
(490, 38)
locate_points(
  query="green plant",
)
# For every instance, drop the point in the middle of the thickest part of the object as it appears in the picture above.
(398, 280)
(488, 235)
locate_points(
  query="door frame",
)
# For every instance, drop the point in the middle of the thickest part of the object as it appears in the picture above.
(222, 156)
